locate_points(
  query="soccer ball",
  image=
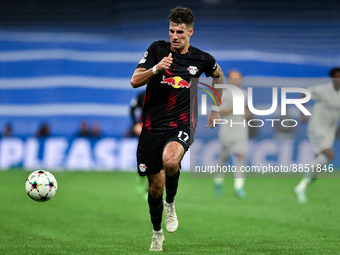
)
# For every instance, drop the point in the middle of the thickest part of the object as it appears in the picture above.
(41, 185)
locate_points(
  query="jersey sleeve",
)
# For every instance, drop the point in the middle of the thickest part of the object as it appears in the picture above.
(149, 58)
(210, 65)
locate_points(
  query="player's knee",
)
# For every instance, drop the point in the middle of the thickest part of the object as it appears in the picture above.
(170, 165)
(156, 190)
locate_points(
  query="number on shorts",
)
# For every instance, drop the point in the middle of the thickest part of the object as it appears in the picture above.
(183, 136)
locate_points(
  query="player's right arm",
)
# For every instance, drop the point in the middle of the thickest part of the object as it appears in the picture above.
(142, 76)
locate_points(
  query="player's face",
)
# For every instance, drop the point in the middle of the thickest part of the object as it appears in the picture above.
(235, 78)
(180, 37)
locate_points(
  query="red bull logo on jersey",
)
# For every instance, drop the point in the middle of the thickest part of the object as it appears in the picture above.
(176, 82)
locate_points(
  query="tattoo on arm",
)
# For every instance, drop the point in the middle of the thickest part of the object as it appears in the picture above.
(218, 78)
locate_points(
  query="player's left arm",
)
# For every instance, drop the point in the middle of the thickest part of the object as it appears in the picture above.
(218, 78)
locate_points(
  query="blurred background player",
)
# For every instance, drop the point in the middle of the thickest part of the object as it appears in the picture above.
(322, 128)
(287, 132)
(136, 110)
(234, 138)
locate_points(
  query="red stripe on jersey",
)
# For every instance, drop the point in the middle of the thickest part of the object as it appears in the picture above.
(145, 94)
(173, 124)
(171, 105)
(147, 121)
(193, 113)
(184, 116)
(168, 73)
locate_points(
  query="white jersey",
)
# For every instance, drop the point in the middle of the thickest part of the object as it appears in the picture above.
(234, 129)
(325, 116)
(326, 110)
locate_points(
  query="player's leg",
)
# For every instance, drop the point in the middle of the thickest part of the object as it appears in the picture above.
(155, 201)
(142, 182)
(239, 147)
(155, 198)
(239, 177)
(218, 179)
(320, 160)
(149, 162)
(172, 156)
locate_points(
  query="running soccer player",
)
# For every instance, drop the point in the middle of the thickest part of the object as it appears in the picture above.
(167, 68)
(233, 137)
(321, 128)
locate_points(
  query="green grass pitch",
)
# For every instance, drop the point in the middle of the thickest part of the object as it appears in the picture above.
(101, 213)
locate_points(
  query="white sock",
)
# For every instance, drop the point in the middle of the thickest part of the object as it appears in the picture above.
(322, 160)
(239, 183)
(218, 181)
(219, 177)
(302, 185)
(239, 176)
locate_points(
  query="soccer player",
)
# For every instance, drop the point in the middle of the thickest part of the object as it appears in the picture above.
(321, 128)
(136, 107)
(167, 68)
(233, 136)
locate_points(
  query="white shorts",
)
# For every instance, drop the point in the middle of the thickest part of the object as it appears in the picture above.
(238, 145)
(321, 140)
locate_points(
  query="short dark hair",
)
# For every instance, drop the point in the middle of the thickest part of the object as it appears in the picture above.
(181, 15)
(333, 71)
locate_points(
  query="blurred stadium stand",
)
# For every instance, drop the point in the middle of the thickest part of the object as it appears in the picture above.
(109, 12)
(73, 59)
(64, 61)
